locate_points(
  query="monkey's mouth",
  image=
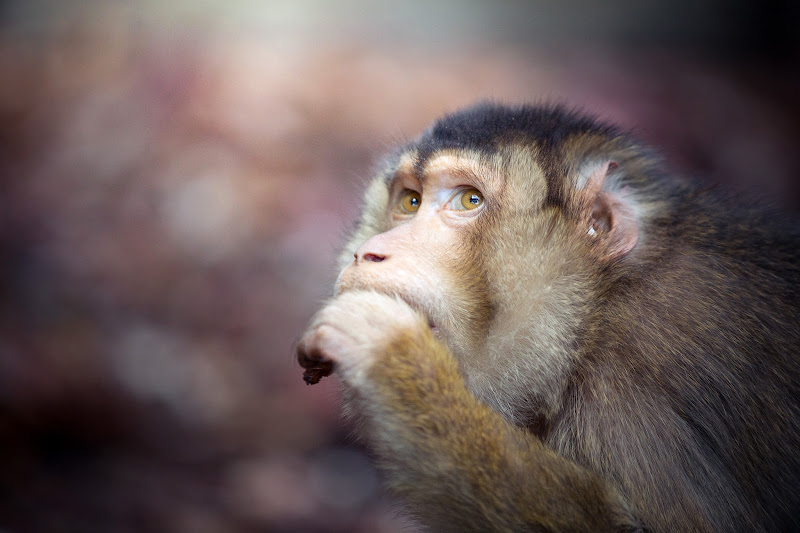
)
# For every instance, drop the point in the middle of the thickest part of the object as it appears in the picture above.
(421, 310)
(427, 316)
(431, 322)
(434, 328)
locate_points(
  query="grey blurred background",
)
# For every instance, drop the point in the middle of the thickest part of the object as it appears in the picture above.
(175, 179)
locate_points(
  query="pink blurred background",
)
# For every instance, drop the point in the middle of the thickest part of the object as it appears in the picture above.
(175, 181)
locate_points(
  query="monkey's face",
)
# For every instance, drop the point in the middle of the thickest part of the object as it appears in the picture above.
(494, 225)
(427, 248)
(503, 277)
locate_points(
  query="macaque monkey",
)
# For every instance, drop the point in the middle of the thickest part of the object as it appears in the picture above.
(537, 328)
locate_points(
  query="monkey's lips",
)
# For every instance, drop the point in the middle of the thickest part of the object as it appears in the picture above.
(419, 309)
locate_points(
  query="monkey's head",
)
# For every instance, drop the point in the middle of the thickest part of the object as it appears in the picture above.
(488, 224)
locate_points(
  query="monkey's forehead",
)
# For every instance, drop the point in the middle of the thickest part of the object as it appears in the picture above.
(470, 166)
(525, 146)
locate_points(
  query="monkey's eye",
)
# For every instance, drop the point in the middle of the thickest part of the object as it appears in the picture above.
(467, 199)
(410, 201)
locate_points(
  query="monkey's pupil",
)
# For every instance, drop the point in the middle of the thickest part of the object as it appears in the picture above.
(414, 201)
(474, 199)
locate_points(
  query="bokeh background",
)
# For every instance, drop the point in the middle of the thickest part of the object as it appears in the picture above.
(175, 179)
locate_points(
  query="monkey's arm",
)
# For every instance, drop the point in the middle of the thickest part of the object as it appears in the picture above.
(459, 465)
(463, 467)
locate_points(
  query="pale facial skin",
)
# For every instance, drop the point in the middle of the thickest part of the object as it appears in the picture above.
(402, 279)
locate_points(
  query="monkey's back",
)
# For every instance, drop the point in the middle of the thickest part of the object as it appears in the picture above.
(697, 354)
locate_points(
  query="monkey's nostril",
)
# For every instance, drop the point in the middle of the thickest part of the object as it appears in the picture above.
(375, 258)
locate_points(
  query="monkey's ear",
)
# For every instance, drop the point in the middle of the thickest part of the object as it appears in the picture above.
(609, 216)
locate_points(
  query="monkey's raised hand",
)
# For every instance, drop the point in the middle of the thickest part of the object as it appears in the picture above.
(351, 332)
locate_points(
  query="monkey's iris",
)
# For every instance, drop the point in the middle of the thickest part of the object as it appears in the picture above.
(470, 199)
(410, 201)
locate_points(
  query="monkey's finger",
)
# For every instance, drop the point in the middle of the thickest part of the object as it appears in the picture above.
(312, 375)
(316, 365)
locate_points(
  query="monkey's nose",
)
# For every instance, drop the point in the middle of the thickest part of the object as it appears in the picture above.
(373, 258)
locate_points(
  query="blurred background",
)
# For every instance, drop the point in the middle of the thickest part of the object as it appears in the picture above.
(176, 177)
